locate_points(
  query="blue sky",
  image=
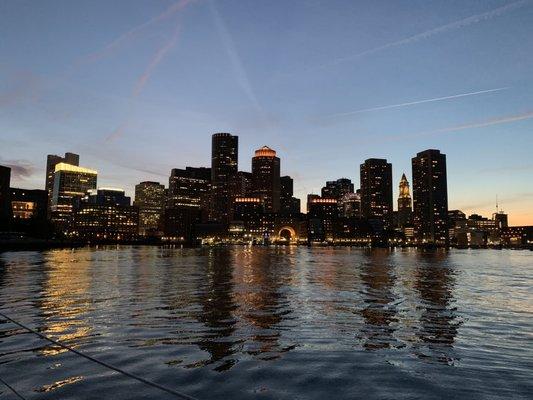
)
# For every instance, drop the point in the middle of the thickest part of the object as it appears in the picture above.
(138, 87)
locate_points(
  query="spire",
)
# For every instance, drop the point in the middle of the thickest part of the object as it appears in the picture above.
(404, 188)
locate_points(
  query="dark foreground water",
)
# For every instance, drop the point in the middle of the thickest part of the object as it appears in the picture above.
(269, 323)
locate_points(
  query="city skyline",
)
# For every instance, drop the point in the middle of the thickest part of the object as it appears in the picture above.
(132, 101)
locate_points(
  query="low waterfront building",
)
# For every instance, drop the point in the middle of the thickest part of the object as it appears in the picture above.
(29, 204)
(517, 236)
(105, 215)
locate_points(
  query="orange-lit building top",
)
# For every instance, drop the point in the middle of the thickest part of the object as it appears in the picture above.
(265, 151)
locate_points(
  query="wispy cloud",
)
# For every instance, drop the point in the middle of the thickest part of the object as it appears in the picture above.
(412, 103)
(145, 76)
(480, 124)
(169, 12)
(20, 169)
(452, 26)
(236, 63)
(20, 86)
(156, 59)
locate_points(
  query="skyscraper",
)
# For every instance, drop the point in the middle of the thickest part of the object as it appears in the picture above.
(150, 200)
(430, 198)
(71, 183)
(288, 204)
(51, 162)
(266, 178)
(376, 190)
(405, 210)
(224, 166)
(5, 201)
(189, 187)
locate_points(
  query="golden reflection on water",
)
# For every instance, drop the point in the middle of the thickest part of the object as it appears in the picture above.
(58, 384)
(65, 299)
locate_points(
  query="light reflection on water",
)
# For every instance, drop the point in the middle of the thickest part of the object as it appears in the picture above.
(270, 322)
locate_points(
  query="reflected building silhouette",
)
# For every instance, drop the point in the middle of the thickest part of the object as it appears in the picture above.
(379, 312)
(218, 308)
(260, 275)
(439, 322)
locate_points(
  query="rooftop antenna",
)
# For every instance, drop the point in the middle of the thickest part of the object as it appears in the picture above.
(497, 210)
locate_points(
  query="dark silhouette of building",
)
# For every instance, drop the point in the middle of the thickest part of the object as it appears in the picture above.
(430, 201)
(180, 223)
(150, 199)
(337, 189)
(105, 214)
(405, 210)
(71, 183)
(376, 190)
(248, 217)
(241, 184)
(266, 178)
(224, 167)
(51, 162)
(5, 201)
(289, 205)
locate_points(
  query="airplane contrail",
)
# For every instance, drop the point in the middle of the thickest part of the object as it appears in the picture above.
(177, 6)
(474, 19)
(156, 59)
(492, 121)
(238, 69)
(411, 103)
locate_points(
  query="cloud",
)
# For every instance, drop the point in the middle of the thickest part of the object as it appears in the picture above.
(154, 62)
(452, 26)
(506, 169)
(174, 8)
(21, 85)
(411, 103)
(236, 63)
(20, 169)
(481, 124)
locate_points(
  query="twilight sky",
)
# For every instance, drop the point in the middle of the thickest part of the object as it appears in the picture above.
(137, 87)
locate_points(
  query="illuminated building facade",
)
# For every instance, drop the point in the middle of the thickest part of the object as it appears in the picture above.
(376, 190)
(150, 200)
(51, 161)
(105, 214)
(224, 167)
(337, 189)
(518, 236)
(5, 201)
(266, 178)
(430, 198)
(405, 210)
(29, 204)
(189, 187)
(323, 213)
(350, 205)
(71, 183)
